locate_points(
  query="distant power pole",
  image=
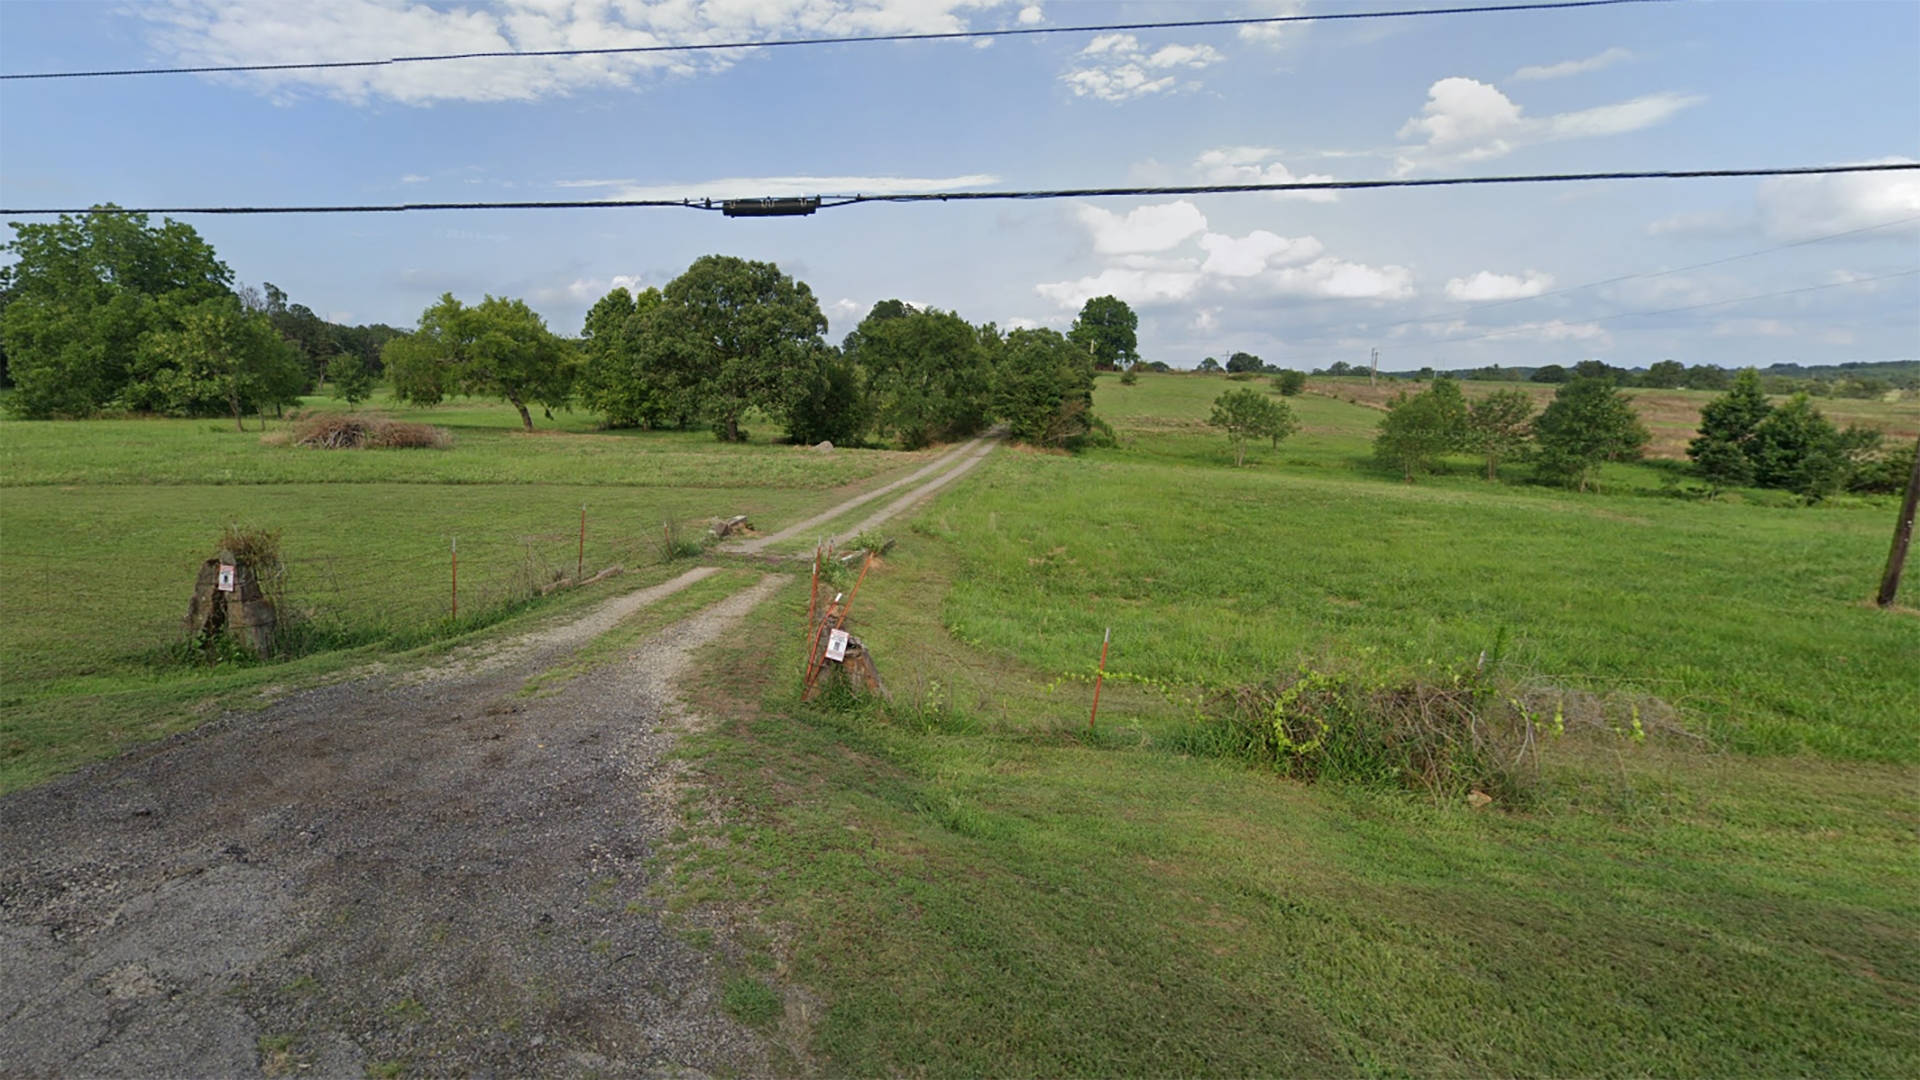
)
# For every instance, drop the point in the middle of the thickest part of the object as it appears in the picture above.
(1373, 373)
(1902, 536)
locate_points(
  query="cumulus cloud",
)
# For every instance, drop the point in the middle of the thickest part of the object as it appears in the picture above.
(1468, 120)
(1802, 207)
(1114, 67)
(1255, 253)
(1146, 266)
(1561, 70)
(1144, 229)
(225, 32)
(747, 187)
(1487, 285)
(1031, 14)
(1255, 165)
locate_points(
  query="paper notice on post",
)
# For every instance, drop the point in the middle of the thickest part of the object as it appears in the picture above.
(837, 645)
(225, 581)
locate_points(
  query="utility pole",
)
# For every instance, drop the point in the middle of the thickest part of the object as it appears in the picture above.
(1373, 373)
(1902, 536)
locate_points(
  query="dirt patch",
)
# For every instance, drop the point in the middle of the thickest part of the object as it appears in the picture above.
(435, 875)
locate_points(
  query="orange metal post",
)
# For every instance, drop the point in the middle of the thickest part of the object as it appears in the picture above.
(1099, 678)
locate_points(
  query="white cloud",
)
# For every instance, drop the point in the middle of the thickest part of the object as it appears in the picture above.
(1255, 253)
(1487, 285)
(1467, 120)
(747, 187)
(226, 32)
(1114, 67)
(414, 178)
(1272, 34)
(1561, 70)
(1802, 207)
(1145, 269)
(1134, 286)
(1251, 165)
(1031, 14)
(1150, 228)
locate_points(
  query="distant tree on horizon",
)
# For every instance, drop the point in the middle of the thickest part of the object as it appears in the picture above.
(1109, 330)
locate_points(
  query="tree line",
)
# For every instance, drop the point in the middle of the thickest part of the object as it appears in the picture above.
(104, 312)
(732, 338)
(1744, 440)
(1849, 380)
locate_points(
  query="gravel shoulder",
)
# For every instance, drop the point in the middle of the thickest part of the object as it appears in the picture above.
(430, 872)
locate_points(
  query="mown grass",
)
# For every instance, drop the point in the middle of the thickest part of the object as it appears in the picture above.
(103, 526)
(976, 884)
(976, 888)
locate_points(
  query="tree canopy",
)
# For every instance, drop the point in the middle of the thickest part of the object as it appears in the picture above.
(929, 372)
(497, 348)
(1249, 414)
(738, 335)
(1107, 329)
(1587, 423)
(83, 291)
(1497, 427)
(1419, 430)
(1043, 388)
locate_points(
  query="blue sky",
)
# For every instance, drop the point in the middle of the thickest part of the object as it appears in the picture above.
(1300, 281)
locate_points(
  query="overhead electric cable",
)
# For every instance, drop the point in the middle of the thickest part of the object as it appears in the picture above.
(954, 35)
(1641, 276)
(981, 196)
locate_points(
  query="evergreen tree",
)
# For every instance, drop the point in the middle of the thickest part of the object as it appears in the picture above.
(1722, 452)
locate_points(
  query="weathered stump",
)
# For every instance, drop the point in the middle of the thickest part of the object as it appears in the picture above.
(244, 613)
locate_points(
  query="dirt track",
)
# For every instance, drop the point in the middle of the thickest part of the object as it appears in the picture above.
(431, 873)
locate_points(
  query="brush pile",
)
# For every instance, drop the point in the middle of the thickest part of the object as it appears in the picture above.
(337, 431)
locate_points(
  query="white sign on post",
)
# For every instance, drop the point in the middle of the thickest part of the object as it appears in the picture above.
(837, 645)
(225, 582)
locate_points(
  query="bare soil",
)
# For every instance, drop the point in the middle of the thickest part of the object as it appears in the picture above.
(433, 874)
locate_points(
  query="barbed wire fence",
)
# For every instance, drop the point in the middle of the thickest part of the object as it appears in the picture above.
(347, 591)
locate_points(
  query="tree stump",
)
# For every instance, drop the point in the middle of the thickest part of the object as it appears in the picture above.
(245, 613)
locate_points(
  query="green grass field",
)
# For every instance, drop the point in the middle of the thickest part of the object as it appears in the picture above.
(974, 885)
(103, 526)
(967, 882)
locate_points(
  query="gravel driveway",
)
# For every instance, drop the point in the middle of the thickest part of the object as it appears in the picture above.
(413, 874)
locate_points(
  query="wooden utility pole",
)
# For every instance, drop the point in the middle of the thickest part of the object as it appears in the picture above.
(1902, 536)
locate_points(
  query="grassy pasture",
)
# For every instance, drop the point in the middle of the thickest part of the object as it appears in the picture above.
(974, 885)
(970, 884)
(103, 526)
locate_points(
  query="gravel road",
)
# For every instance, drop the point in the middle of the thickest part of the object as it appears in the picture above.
(434, 875)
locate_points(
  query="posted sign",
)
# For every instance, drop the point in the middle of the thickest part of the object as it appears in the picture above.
(225, 581)
(837, 645)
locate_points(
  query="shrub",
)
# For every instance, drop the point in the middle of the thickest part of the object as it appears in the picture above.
(1289, 382)
(1445, 734)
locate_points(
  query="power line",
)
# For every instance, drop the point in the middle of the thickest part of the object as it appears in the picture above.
(1471, 308)
(982, 196)
(955, 35)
